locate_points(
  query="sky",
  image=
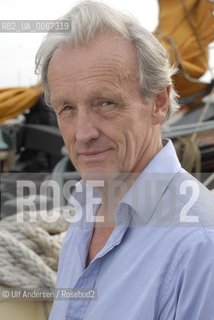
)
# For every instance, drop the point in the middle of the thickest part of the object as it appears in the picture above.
(18, 50)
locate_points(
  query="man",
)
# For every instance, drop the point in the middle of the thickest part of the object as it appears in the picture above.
(149, 252)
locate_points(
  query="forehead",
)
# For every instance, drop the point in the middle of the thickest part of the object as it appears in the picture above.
(108, 58)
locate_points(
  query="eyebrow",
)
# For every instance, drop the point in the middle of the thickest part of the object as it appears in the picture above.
(103, 92)
(60, 100)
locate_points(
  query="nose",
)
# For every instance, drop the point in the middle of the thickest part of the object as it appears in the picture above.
(86, 127)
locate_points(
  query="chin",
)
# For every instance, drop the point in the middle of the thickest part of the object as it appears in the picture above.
(98, 174)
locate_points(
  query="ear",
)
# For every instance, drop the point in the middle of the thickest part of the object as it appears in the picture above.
(161, 106)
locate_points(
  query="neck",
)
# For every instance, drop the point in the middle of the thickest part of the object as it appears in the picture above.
(114, 189)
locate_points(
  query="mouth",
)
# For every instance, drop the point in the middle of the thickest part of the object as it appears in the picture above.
(94, 155)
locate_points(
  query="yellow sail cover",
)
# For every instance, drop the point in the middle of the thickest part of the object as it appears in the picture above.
(186, 27)
(14, 101)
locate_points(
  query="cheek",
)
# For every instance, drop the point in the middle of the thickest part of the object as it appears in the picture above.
(136, 132)
(62, 130)
(66, 132)
(123, 140)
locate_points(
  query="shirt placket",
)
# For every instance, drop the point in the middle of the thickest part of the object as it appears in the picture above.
(77, 307)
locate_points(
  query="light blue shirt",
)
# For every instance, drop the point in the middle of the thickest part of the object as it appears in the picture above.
(158, 263)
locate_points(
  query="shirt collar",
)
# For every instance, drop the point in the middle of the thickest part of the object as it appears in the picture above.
(147, 190)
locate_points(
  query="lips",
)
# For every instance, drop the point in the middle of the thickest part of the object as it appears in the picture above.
(94, 155)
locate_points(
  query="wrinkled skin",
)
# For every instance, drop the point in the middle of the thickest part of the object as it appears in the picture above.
(106, 126)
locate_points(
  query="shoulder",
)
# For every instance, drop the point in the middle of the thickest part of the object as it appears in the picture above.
(186, 203)
(189, 284)
(185, 217)
(194, 197)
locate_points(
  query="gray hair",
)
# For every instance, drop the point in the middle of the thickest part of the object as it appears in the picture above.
(87, 19)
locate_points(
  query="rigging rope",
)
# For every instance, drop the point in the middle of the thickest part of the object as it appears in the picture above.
(29, 250)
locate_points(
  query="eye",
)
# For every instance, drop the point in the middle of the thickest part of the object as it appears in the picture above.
(65, 110)
(66, 107)
(106, 103)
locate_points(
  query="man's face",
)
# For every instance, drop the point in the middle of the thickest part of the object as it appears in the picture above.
(106, 126)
